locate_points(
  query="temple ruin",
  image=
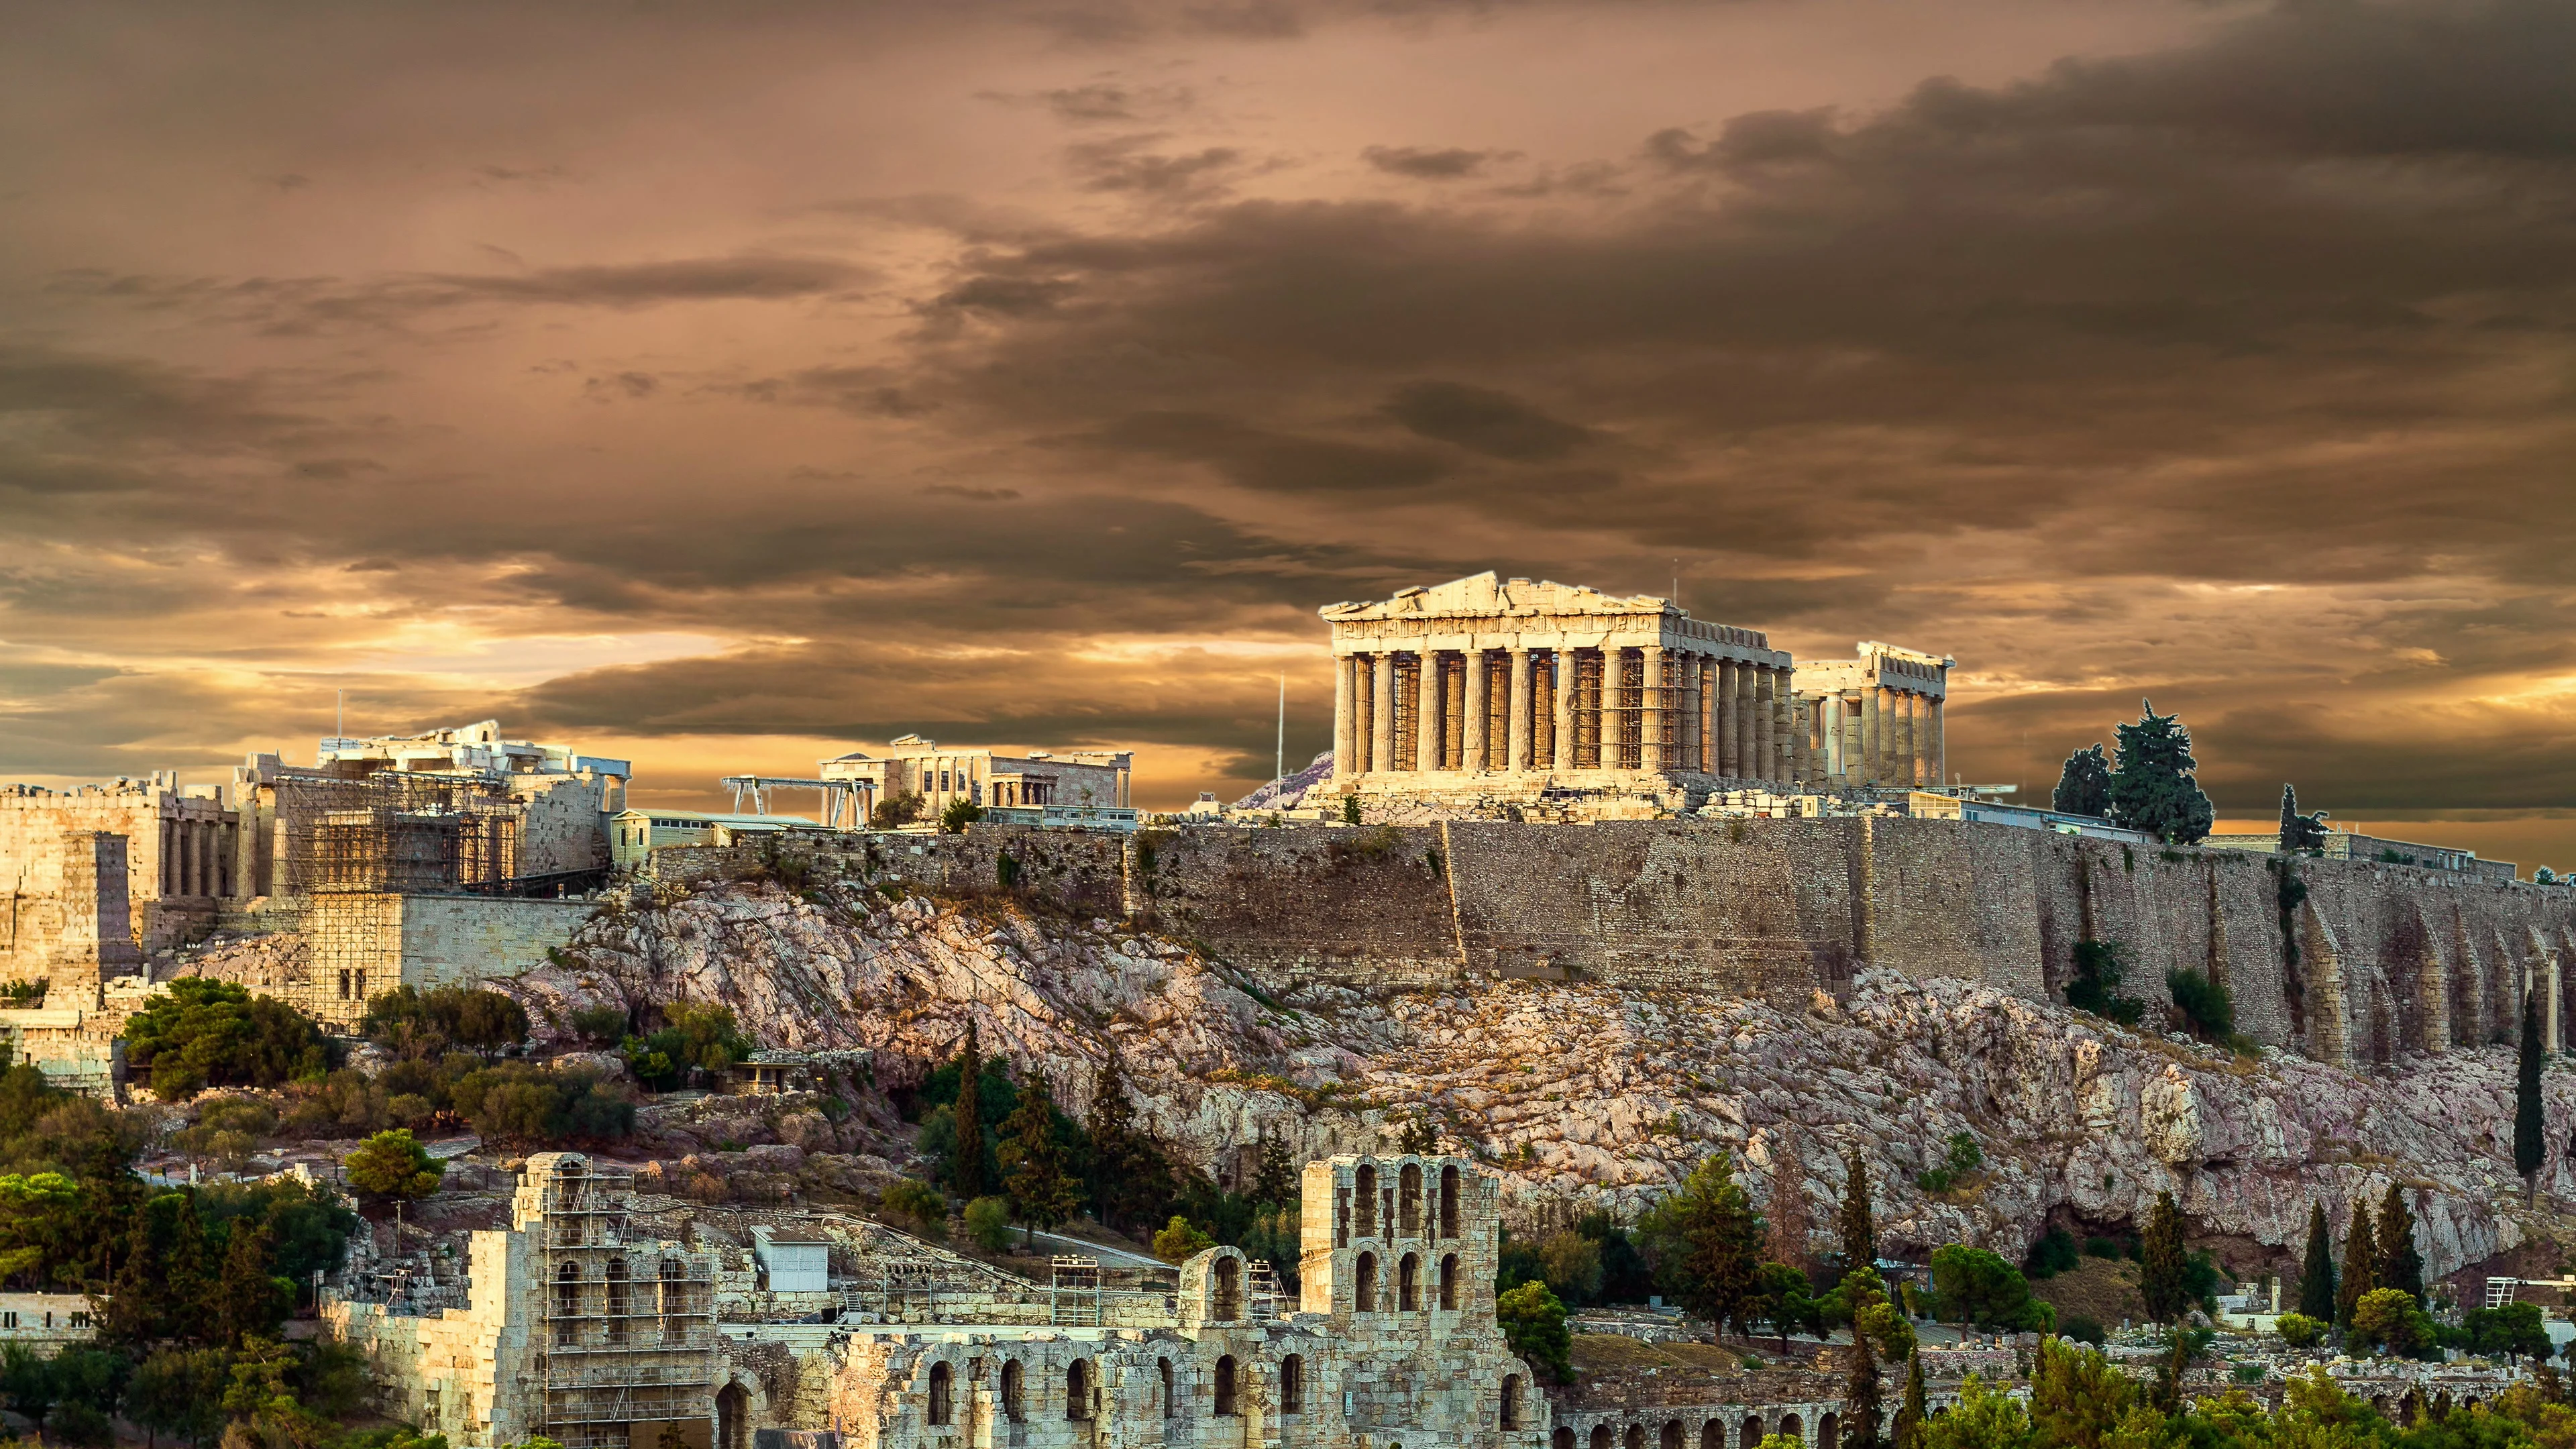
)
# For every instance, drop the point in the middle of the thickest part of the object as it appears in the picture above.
(1508, 688)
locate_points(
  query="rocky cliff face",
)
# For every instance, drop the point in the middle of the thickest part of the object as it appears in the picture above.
(1587, 1094)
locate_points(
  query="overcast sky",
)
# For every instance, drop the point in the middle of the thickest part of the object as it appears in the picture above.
(729, 385)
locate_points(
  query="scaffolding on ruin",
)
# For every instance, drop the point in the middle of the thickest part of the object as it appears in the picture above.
(637, 1347)
(1074, 1291)
(395, 831)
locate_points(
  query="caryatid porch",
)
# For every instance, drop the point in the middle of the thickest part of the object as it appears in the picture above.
(1553, 685)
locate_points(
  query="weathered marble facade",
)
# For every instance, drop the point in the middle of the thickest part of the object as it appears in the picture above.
(1487, 683)
(1876, 719)
(1393, 1342)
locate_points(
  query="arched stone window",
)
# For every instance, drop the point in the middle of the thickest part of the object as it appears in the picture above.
(1449, 1201)
(1225, 1387)
(1014, 1393)
(1635, 1438)
(943, 1396)
(1712, 1435)
(1364, 1198)
(1511, 1401)
(1164, 1367)
(1563, 1438)
(1229, 1290)
(1791, 1428)
(674, 1302)
(1292, 1384)
(733, 1417)
(1449, 1282)
(617, 1305)
(1601, 1436)
(1077, 1389)
(568, 1303)
(1829, 1431)
(1752, 1434)
(1367, 1283)
(1408, 1200)
(1672, 1435)
(1408, 1283)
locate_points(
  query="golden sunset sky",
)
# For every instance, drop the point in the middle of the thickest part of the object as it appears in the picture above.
(732, 385)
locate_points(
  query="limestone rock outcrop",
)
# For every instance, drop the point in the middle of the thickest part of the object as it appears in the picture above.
(1580, 1093)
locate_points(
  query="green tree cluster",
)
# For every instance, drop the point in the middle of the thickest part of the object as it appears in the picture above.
(428, 1024)
(1975, 1287)
(692, 1035)
(392, 1165)
(206, 1033)
(1534, 1327)
(2084, 785)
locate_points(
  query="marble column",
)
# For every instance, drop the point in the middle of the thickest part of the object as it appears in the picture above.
(1900, 750)
(1345, 745)
(1381, 712)
(1479, 707)
(1704, 714)
(1765, 682)
(1869, 695)
(1724, 708)
(1517, 727)
(1561, 665)
(1650, 709)
(1939, 752)
(1430, 715)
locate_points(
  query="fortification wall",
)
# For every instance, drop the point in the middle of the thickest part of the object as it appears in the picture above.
(2387, 958)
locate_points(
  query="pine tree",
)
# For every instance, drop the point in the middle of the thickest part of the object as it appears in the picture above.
(1911, 1414)
(2317, 1274)
(2400, 1266)
(1042, 1192)
(1861, 1396)
(161, 1290)
(2152, 787)
(1720, 1247)
(1275, 1180)
(2360, 1264)
(1787, 1212)
(1859, 1228)
(2084, 785)
(966, 1162)
(2528, 1146)
(1130, 1182)
(2163, 1275)
(248, 1303)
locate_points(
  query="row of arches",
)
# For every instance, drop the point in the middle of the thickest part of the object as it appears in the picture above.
(621, 1300)
(1367, 1296)
(1229, 1381)
(1713, 1433)
(1402, 1207)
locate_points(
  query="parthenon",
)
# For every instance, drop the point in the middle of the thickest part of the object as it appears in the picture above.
(1492, 685)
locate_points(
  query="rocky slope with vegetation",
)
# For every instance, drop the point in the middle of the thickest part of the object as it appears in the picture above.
(1584, 1095)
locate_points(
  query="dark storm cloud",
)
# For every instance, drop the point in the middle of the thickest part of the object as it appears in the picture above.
(1124, 164)
(303, 303)
(1451, 164)
(1483, 420)
(1270, 462)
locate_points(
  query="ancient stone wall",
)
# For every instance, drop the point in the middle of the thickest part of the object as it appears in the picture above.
(2376, 959)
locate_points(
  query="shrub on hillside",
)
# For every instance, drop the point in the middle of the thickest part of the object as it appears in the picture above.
(216, 1034)
(410, 1022)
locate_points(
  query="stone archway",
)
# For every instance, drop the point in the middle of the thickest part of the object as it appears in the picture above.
(733, 1416)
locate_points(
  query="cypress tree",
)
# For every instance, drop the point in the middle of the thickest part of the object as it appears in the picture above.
(2528, 1148)
(2162, 1275)
(2360, 1264)
(1861, 1395)
(1859, 1230)
(1042, 1192)
(966, 1164)
(2317, 1274)
(1907, 1431)
(2400, 1266)
(2289, 819)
